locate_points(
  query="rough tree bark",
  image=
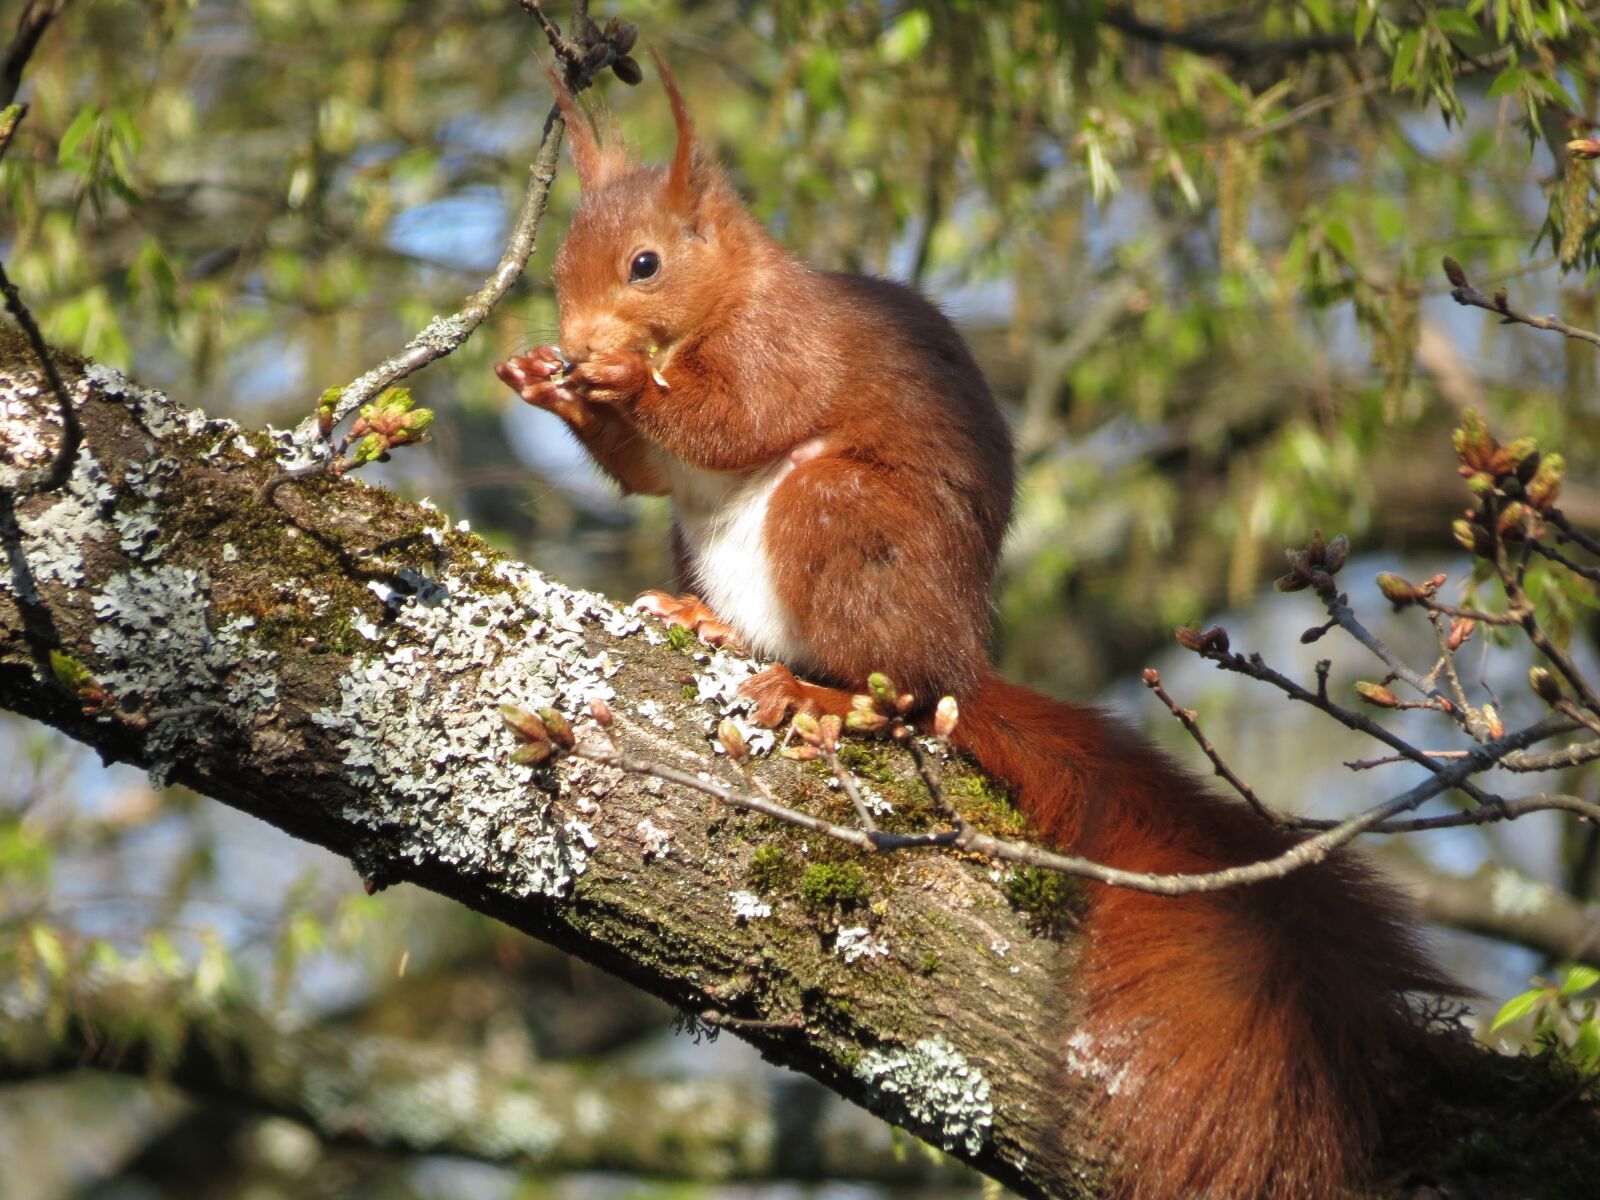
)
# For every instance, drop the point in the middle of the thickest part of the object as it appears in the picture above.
(333, 665)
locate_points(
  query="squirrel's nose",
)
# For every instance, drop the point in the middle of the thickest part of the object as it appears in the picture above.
(577, 340)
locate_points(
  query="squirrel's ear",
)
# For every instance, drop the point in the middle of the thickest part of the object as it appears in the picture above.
(686, 180)
(587, 158)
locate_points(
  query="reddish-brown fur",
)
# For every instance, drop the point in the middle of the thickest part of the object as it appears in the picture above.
(1237, 1042)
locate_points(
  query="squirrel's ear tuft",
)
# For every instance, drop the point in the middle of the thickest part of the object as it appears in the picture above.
(593, 165)
(687, 178)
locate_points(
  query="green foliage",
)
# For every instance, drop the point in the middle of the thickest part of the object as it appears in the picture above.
(830, 885)
(771, 868)
(1563, 1016)
(1051, 900)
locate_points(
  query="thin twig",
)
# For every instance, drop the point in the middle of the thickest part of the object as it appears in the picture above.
(1341, 612)
(34, 19)
(1462, 292)
(1255, 668)
(1447, 662)
(1550, 552)
(1571, 532)
(1188, 719)
(721, 1020)
(847, 781)
(965, 837)
(443, 335)
(60, 468)
(1366, 764)
(271, 486)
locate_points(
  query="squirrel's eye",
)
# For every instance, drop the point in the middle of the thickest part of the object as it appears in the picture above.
(645, 264)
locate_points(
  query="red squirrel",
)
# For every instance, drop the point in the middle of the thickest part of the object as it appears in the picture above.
(841, 479)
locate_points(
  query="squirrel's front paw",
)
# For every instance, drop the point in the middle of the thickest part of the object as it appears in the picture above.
(539, 378)
(611, 378)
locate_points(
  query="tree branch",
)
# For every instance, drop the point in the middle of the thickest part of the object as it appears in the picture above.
(340, 676)
(498, 1107)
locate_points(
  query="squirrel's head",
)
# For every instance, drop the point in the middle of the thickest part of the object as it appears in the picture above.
(648, 252)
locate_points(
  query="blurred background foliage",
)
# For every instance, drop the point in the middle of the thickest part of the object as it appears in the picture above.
(1194, 244)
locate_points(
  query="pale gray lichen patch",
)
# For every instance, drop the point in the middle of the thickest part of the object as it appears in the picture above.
(138, 523)
(1514, 895)
(160, 416)
(28, 440)
(300, 447)
(855, 942)
(747, 906)
(933, 1090)
(54, 537)
(155, 651)
(423, 740)
(442, 1100)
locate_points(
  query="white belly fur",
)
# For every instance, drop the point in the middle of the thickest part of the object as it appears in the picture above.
(722, 518)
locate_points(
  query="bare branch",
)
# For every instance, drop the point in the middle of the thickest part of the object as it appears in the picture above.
(967, 838)
(1462, 292)
(34, 19)
(1189, 720)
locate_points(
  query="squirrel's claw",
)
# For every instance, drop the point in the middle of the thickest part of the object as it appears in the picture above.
(692, 613)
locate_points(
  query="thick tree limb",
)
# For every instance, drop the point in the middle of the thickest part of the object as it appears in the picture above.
(1501, 903)
(338, 676)
(437, 1098)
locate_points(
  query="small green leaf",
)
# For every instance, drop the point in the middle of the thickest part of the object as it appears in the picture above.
(1586, 1045)
(1579, 979)
(1364, 16)
(907, 37)
(83, 125)
(52, 955)
(1518, 1007)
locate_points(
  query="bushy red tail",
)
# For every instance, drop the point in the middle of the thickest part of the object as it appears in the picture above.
(1236, 1041)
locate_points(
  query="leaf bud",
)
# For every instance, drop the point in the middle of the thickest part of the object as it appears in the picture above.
(1492, 721)
(801, 753)
(1545, 485)
(560, 728)
(1294, 581)
(1189, 639)
(1454, 273)
(828, 727)
(1377, 695)
(71, 674)
(628, 70)
(524, 724)
(1545, 685)
(882, 688)
(945, 717)
(531, 754)
(1337, 552)
(1472, 537)
(1460, 631)
(1398, 591)
(371, 448)
(1513, 519)
(601, 712)
(807, 729)
(732, 740)
(865, 720)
